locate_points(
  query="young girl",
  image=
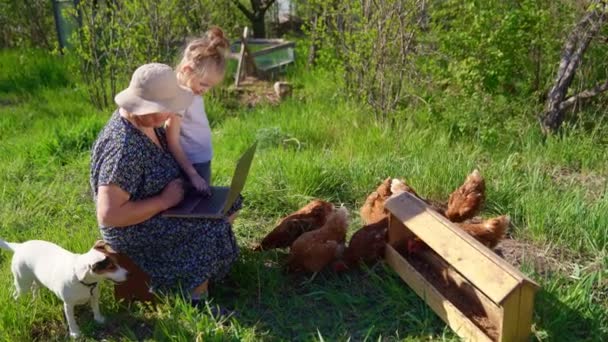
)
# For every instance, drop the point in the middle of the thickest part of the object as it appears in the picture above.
(189, 136)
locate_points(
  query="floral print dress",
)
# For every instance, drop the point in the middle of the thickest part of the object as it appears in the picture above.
(177, 253)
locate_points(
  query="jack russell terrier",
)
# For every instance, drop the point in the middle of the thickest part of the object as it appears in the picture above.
(72, 277)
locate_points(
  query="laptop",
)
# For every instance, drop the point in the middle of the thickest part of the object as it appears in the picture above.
(221, 199)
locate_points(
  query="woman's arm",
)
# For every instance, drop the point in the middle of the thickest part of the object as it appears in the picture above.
(114, 209)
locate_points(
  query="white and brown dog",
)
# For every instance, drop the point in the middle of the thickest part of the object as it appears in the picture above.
(72, 277)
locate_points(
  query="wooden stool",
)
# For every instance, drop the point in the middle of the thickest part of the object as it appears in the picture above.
(136, 287)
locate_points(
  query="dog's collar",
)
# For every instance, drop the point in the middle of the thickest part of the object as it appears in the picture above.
(91, 286)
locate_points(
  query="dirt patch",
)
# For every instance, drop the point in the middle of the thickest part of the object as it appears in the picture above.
(44, 331)
(252, 92)
(114, 326)
(593, 182)
(6, 102)
(141, 329)
(544, 260)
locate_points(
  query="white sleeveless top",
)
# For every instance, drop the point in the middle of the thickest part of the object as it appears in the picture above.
(195, 134)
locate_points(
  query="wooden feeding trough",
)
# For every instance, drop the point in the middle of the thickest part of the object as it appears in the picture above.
(478, 294)
(261, 58)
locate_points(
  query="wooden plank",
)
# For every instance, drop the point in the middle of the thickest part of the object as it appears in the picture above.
(450, 314)
(514, 272)
(526, 311)
(272, 49)
(398, 234)
(250, 67)
(510, 317)
(261, 41)
(493, 311)
(460, 250)
(239, 68)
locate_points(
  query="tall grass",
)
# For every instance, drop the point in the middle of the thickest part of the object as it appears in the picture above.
(27, 71)
(316, 144)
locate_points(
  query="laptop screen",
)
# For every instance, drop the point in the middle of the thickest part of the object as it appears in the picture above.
(239, 177)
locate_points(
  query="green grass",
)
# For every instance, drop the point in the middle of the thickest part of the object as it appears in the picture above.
(314, 145)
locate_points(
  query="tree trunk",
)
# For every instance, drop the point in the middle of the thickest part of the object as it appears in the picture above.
(256, 15)
(259, 26)
(312, 50)
(572, 55)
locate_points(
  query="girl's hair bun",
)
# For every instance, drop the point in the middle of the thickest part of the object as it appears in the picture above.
(217, 40)
(205, 52)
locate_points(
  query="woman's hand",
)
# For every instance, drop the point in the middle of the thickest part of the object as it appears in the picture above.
(173, 193)
(200, 184)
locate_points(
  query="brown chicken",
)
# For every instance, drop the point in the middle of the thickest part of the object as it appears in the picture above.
(316, 249)
(366, 245)
(373, 208)
(488, 232)
(467, 200)
(310, 217)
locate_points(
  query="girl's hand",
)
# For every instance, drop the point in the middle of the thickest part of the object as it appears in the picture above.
(200, 184)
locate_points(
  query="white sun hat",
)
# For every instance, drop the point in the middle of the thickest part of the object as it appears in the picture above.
(154, 89)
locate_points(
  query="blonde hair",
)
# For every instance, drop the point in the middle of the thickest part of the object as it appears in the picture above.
(204, 53)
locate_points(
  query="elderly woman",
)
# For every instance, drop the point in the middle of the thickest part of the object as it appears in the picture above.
(134, 178)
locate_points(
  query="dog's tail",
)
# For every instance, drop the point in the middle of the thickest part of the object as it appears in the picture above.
(8, 245)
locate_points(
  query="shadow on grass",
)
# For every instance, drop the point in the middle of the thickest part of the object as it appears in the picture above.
(272, 305)
(361, 304)
(121, 324)
(559, 321)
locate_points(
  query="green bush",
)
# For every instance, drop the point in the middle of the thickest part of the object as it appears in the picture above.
(117, 37)
(27, 24)
(372, 44)
(497, 46)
